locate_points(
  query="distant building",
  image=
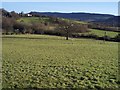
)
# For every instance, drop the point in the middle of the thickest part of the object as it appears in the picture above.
(29, 15)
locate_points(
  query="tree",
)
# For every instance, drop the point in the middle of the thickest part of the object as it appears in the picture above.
(38, 28)
(7, 24)
(70, 27)
(5, 13)
(53, 19)
(14, 15)
(21, 14)
(21, 27)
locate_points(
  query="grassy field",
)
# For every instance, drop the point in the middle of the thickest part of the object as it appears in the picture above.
(33, 19)
(41, 61)
(44, 19)
(101, 33)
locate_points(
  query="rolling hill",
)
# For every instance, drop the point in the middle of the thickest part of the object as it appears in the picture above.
(86, 17)
(77, 16)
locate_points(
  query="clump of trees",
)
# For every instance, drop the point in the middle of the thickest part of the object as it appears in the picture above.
(22, 28)
(11, 14)
(100, 26)
(11, 26)
(7, 24)
(38, 28)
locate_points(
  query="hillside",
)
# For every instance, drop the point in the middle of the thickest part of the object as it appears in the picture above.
(46, 19)
(101, 33)
(77, 16)
(113, 21)
(33, 19)
(106, 19)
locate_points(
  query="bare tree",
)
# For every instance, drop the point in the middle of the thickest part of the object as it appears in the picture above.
(7, 24)
(38, 28)
(14, 14)
(70, 27)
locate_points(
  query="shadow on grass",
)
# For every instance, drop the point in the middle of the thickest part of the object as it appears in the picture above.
(33, 38)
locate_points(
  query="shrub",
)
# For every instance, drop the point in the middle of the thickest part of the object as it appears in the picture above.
(93, 36)
(53, 32)
(117, 38)
(107, 38)
(75, 35)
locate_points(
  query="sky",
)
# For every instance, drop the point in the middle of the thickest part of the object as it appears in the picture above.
(65, 7)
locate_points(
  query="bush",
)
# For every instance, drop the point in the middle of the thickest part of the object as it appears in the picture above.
(117, 38)
(93, 36)
(53, 32)
(107, 38)
(9, 33)
(75, 35)
(83, 35)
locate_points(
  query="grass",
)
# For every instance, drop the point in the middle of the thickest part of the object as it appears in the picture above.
(44, 19)
(75, 21)
(101, 33)
(41, 61)
(33, 19)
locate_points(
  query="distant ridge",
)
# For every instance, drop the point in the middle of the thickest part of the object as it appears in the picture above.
(77, 16)
(107, 19)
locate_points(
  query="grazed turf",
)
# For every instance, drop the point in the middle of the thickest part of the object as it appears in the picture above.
(102, 33)
(49, 61)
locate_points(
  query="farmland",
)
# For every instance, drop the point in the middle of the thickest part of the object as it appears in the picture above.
(44, 19)
(33, 19)
(42, 61)
(101, 33)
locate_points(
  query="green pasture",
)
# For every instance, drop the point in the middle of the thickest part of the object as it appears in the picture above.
(101, 33)
(42, 61)
(33, 19)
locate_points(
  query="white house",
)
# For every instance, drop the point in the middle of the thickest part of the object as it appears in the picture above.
(29, 15)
